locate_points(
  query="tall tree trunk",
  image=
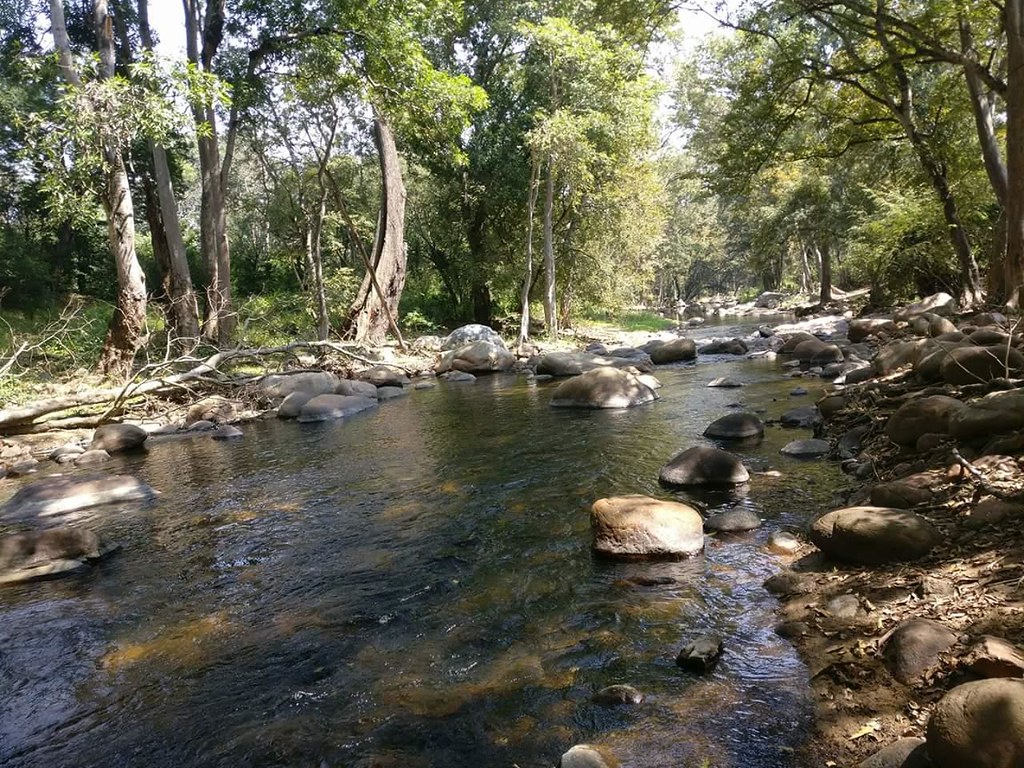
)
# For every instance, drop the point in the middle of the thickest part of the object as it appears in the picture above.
(550, 306)
(218, 321)
(125, 330)
(825, 257)
(524, 298)
(375, 308)
(1014, 20)
(184, 312)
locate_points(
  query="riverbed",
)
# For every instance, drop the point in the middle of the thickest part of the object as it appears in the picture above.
(414, 587)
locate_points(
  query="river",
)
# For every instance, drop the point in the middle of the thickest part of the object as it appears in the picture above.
(414, 587)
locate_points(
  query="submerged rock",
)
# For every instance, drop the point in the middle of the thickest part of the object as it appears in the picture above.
(60, 494)
(603, 388)
(114, 438)
(805, 449)
(735, 426)
(45, 554)
(330, 407)
(737, 520)
(613, 695)
(703, 465)
(701, 655)
(588, 756)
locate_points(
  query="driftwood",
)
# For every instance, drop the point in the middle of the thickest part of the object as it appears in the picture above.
(34, 417)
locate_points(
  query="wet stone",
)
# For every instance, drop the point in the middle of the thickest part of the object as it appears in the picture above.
(614, 695)
(701, 655)
(783, 543)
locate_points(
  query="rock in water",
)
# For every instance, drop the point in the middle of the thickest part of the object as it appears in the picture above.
(280, 385)
(618, 694)
(737, 520)
(588, 756)
(735, 426)
(640, 527)
(58, 495)
(43, 554)
(806, 449)
(672, 351)
(703, 465)
(384, 376)
(979, 725)
(113, 438)
(329, 407)
(603, 388)
(701, 655)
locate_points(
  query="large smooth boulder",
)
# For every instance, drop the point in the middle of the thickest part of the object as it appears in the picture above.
(60, 494)
(906, 492)
(476, 357)
(735, 426)
(920, 416)
(467, 334)
(703, 465)
(973, 365)
(575, 363)
(915, 646)
(384, 376)
(356, 387)
(908, 752)
(330, 407)
(794, 340)
(898, 354)
(603, 388)
(672, 351)
(280, 385)
(43, 554)
(113, 438)
(806, 350)
(938, 303)
(725, 347)
(639, 527)
(873, 535)
(929, 364)
(864, 327)
(997, 413)
(979, 725)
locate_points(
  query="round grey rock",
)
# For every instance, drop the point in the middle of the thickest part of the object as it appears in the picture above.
(703, 465)
(735, 426)
(735, 520)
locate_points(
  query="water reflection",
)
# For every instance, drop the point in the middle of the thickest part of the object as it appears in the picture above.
(414, 587)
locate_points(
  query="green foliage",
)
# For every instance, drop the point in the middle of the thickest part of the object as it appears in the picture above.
(629, 320)
(273, 319)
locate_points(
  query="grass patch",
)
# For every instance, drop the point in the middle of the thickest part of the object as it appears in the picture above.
(632, 320)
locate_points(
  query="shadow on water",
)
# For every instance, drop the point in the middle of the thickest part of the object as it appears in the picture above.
(414, 587)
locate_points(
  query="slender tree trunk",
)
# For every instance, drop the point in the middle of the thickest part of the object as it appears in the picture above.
(825, 254)
(550, 305)
(218, 321)
(184, 312)
(805, 270)
(376, 307)
(1014, 20)
(531, 206)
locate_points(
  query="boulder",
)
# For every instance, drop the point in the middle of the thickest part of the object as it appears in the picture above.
(929, 365)
(467, 334)
(575, 363)
(736, 520)
(602, 388)
(216, 409)
(330, 407)
(724, 382)
(280, 385)
(384, 376)
(701, 655)
(915, 646)
(61, 494)
(973, 365)
(588, 756)
(476, 357)
(355, 387)
(859, 374)
(783, 543)
(873, 535)
(831, 405)
(898, 354)
(938, 303)
(806, 449)
(114, 438)
(844, 607)
(997, 413)
(703, 465)
(979, 725)
(982, 319)
(790, 583)
(613, 695)
(769, 300)
(725, 347)
(864, 327)
(638, 356)
(905, 492)
(807, 350)
(940, 326)
(908, 752)
(638, 527)
(459, 376)
(794, 340)
(993, 656)
(807, 416)
(827, 355)
(992, 511)
(291, 406)
(920, 416)
(735, 426)
(992, 337)
(91, 458)
(44, 554)
(673, 351)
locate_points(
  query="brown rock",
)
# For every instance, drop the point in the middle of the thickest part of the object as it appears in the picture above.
(920, 416)
(993, 656)
(639, 527)
(873, 535)
(915, 647)
(979, 725)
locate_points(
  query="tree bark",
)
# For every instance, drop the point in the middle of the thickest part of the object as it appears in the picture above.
(218, 320)
(375, 308)
(825, 255)
(1014, 22)
(531, 206)
(550, 305)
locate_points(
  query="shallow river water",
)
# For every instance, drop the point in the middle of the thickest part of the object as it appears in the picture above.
(414, 587)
